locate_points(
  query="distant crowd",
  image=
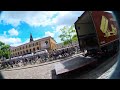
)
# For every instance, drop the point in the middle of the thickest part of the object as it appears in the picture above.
(40, 57)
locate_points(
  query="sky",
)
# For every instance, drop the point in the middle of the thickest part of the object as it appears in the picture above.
(16, 26)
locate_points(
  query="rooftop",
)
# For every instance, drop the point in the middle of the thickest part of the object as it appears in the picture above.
(33, 41)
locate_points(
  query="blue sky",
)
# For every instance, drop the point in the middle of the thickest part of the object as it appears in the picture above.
(16, 26)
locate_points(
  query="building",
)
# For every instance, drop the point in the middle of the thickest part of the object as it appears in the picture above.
(61, 45)
(44, 43)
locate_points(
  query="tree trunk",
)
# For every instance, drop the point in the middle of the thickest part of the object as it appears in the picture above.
(71, 42)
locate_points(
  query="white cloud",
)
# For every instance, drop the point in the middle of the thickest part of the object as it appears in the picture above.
(49, 34)
(57, 32)
(20, 43)
(13, 32)
(33, 18)
(66, 17)
(56, 19)
(37, 18)
(10, 41)
(57, 29)
(4, 33)
(57, 39)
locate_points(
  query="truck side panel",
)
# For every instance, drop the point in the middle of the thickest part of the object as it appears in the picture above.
(106, 27)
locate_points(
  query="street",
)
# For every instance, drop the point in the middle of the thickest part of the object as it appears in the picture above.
(40, 71)
(46, 71)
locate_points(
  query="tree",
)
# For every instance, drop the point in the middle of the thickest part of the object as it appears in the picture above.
(75, 38)
(4, 50)
(68, 34)
(66, 42)
(1, 43)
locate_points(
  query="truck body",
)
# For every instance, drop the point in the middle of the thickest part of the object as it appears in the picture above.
(97, 31)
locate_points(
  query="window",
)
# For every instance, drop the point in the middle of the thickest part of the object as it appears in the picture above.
(33, 49)
(23, 47)
(15, 49)
(29, 45)
(30, 50)
(20, 48)
(21, 52)
(36, 43)
(78, 28)
(46, 42)
(26, 51)
(33, 44)
(26, 46)
(18, 53)
(37, 48)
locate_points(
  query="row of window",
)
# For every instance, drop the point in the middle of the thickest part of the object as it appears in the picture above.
(24, 52)
(23, 47)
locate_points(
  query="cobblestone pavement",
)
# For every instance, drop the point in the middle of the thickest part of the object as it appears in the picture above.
(45, 72)
(31, 72)
(40, 72)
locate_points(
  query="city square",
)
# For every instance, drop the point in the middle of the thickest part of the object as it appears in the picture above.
(51, 45)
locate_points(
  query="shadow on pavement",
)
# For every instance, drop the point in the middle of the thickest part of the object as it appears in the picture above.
(53, 74)
(72, 74)
(1, 76)
(80, 72)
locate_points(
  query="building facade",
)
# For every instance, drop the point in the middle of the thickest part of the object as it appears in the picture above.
(61, 45)
(44, 43)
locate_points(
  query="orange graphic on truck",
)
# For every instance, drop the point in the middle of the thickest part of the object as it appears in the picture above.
(104, 28)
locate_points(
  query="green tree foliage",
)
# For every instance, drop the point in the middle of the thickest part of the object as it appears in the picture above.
(4, 50)
(1, 43)
(66, 42)
(75, 38)
(68, 35)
